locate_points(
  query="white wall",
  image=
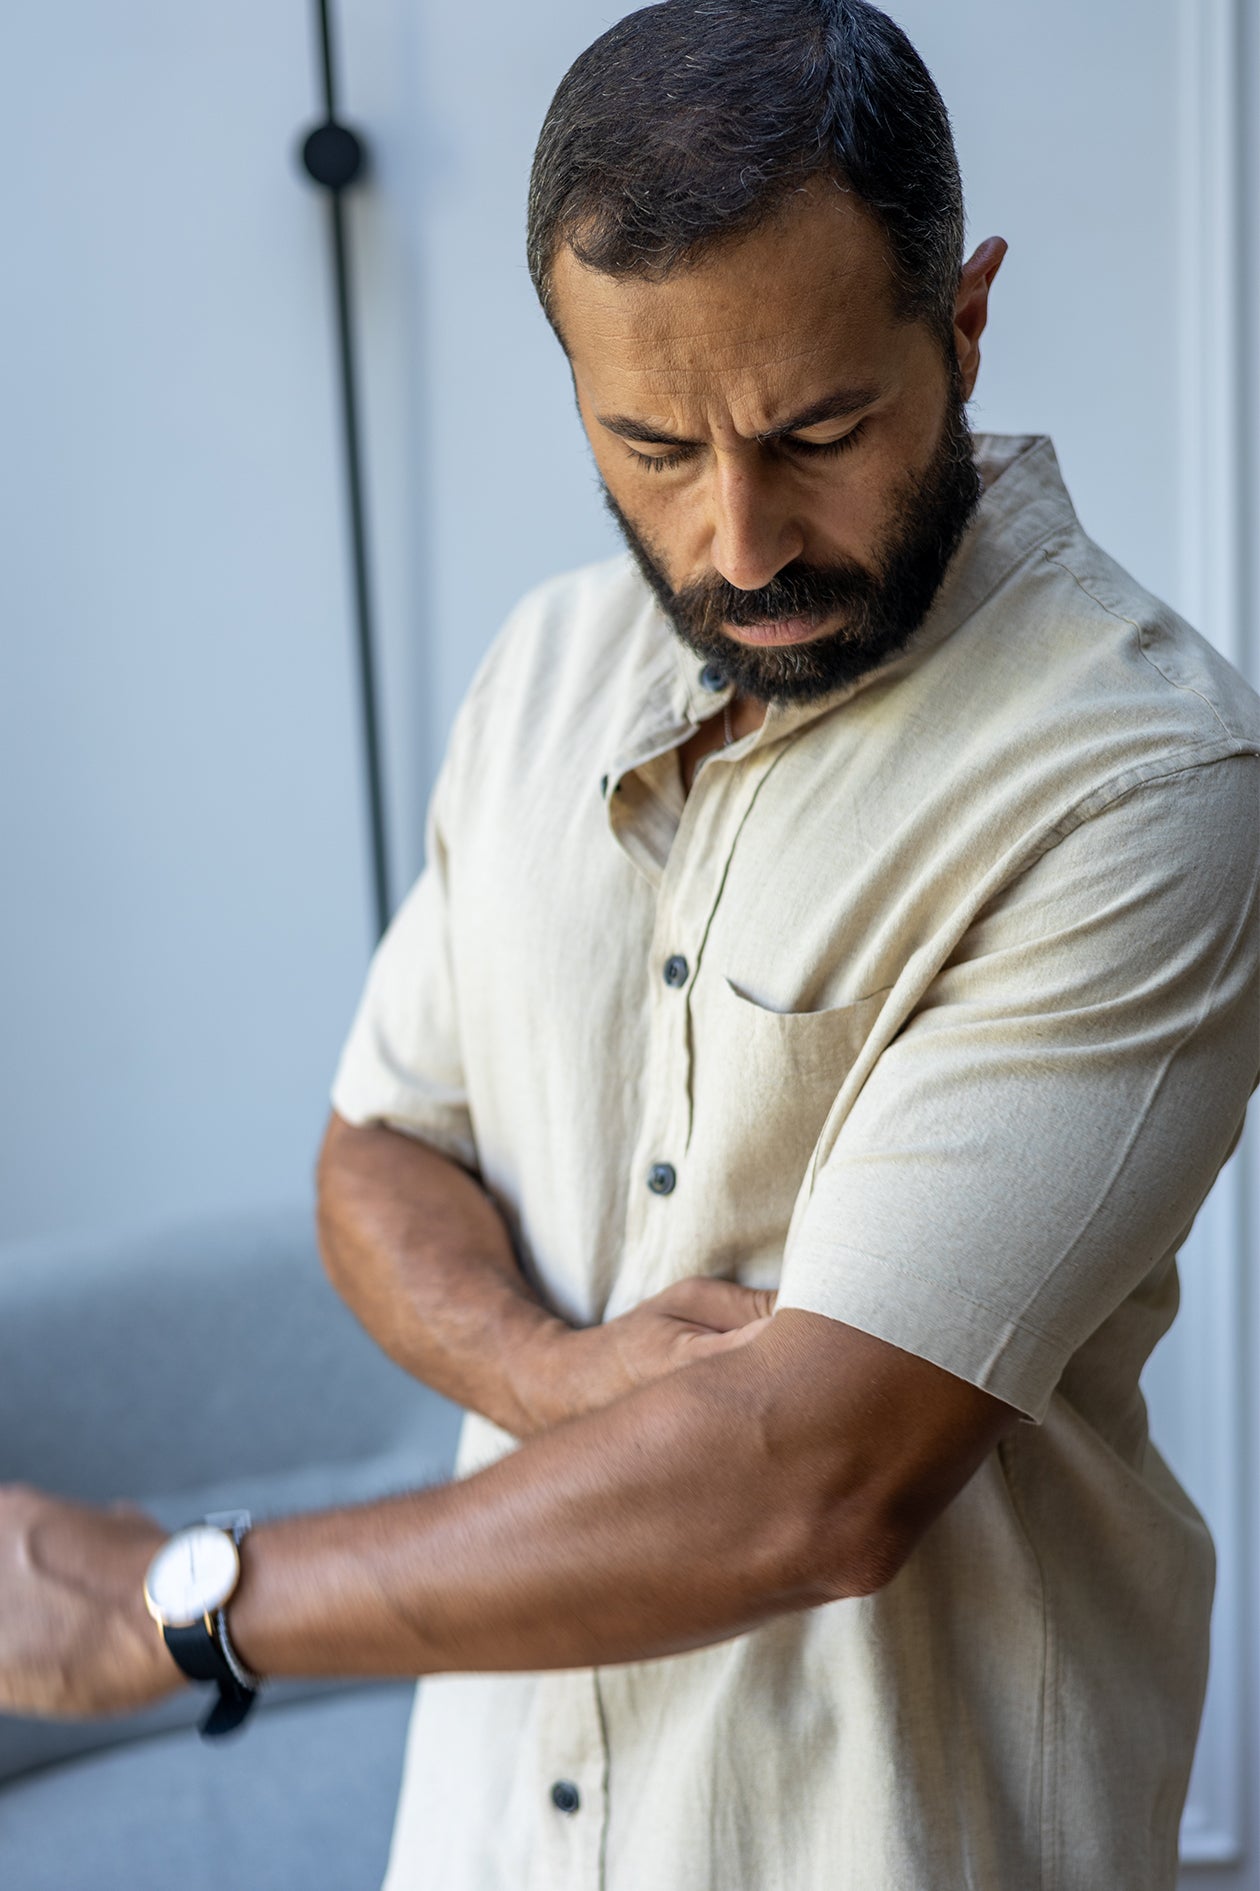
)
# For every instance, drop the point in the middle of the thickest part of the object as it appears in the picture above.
(186, 919)
(185, 910)
(497, 492)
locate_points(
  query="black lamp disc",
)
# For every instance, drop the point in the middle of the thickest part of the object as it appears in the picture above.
(333, 155)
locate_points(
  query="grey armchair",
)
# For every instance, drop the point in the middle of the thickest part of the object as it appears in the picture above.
(191, 1370)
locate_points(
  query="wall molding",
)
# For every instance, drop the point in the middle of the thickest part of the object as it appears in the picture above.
(1209, 263)
(1204, 1382)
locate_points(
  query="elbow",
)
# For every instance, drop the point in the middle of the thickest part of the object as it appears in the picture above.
(811, 1525)
(847, 1547)
(861, 1563)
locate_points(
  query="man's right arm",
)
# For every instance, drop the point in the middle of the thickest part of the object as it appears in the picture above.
(419, 1253)
(422, 1257)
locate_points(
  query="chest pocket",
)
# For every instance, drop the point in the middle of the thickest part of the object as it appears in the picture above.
(763, 1082)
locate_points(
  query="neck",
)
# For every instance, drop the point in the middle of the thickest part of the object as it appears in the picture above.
(747, 714)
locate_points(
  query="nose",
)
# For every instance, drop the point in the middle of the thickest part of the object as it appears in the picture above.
(754, 531)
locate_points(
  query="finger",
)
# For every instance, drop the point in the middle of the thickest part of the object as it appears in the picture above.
(721, 1304)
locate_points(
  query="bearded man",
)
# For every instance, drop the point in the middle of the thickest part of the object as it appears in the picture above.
(775, 1112)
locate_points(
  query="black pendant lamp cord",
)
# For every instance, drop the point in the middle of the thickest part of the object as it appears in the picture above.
(334, 156)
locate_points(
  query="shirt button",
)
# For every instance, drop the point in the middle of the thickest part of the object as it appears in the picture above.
(676, 969)
(713, 677)
(661, 1178)
(565, 1796)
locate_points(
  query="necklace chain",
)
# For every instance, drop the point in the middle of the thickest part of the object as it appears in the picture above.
(726, 722)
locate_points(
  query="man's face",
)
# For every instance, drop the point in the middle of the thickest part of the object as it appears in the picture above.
(788, 461)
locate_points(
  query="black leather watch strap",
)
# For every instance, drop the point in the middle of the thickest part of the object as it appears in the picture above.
(201, 1658)
(229, 1710)
(197, 1653)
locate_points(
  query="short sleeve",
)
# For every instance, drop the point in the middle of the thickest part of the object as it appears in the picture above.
(1046, 1126)
(401, 1064)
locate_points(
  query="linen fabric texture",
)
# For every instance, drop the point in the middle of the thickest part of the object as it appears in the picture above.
(968, 1027)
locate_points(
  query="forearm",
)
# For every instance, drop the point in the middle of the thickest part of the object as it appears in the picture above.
(419, 1253)
(793, 1470)
(670, 1519)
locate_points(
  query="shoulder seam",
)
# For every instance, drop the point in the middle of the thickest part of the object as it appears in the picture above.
(1110, 794)
(1120, 618)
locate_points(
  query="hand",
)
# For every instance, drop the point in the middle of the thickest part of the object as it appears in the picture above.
(75, 1636)
(580, 1368)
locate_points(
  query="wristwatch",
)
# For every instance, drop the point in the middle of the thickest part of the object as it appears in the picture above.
(187, 1589)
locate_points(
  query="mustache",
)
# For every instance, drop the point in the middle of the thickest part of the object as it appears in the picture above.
(810, 591)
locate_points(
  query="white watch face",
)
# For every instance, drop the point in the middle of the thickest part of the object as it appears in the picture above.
(191, 1575)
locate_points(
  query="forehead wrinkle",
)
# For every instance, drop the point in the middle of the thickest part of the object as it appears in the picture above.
(698, 370)
(750, 402)
(663, 385)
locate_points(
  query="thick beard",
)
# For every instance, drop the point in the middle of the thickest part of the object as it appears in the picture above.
(883, 607)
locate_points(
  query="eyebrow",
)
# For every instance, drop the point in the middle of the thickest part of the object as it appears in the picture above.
(837, 405)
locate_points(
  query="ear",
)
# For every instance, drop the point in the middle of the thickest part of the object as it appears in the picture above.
(971, 309)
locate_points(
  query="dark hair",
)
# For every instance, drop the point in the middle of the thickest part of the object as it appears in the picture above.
(690, 122)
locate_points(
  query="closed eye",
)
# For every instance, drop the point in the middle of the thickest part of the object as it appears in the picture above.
(808, 449)
(826, 450)
(657, 462)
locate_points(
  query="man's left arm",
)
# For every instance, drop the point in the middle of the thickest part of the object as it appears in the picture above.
(796, 1471)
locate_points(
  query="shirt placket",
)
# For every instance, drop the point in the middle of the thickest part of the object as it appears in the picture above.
(687, 893)
(571, 1763)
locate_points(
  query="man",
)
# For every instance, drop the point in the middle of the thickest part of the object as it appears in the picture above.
(775, 1111)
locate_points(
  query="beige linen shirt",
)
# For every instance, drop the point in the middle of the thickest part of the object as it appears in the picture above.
(966, 1028)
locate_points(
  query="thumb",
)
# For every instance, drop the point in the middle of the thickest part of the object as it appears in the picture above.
(736, 1336)
(722, 1304)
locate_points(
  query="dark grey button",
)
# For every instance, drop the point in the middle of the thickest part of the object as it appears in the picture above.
(661, 1178)
(713, 677)
(676, 969)
(603, 784)
(565, 1796)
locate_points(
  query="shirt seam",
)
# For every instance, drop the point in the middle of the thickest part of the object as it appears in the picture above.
(1108, 1187)
(1120, 618)
(1011, 1454)
(1108, 794)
